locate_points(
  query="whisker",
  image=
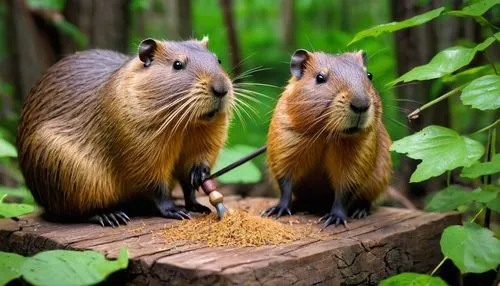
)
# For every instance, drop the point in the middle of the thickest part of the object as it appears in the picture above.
(242, 105)
(398, 122)
(248, 97)
(256, 84)
(241, 118)
(241, 62)
(251, 108)
(252, 92)
(249, 72)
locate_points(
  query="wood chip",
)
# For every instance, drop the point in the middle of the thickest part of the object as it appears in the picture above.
(239, 229)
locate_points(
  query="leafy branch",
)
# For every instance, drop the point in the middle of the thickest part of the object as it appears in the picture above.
(471, 247)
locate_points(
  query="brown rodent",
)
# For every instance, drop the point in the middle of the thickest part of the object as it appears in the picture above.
(326, 140)
(100, 129)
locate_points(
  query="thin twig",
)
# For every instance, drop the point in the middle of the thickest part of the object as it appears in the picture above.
(415, 113)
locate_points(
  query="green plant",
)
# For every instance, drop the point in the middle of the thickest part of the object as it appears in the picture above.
(472, 248)
(60, 267)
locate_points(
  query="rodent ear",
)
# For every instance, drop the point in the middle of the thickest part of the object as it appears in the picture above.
(204, 41)
(298, 61)
(147, 49)
(361, 58)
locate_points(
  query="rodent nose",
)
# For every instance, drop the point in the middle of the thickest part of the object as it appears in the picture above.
(360, 104)
(219, 90)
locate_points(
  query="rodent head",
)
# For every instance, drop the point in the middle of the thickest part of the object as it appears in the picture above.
(333, 93)
(180, 83)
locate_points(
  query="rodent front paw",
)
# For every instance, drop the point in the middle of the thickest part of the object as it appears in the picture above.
(198, 208)
(198, 175)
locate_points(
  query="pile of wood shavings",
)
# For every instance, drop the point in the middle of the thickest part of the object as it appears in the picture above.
(238, 228)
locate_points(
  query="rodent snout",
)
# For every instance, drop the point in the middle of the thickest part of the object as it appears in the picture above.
(360, 103)
(219, 89)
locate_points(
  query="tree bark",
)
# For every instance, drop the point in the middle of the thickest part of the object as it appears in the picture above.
(179, 19)
(416, 46)
(104, 22)
(288, 23)
(30, 49)
(234, 48)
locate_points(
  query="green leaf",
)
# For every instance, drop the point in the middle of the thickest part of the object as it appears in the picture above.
(14, 210)
(10, 266)
(472, 248)
(485, 194)
(483, 93)
(494, 204)
(440, 149)
(17, 192)
(455, 196)
(396, 26)
(448, 199)
(7, 149)
(476, 9)
(66, 267)
(246, 173)
(444, 63)
(482, 168)
(412, 279)
(470, 74)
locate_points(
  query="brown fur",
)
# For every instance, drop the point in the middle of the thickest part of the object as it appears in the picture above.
(306, 142)
(100, 128)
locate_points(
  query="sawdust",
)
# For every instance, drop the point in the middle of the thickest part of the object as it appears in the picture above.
(238, 228)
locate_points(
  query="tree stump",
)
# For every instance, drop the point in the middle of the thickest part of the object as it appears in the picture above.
(385, 243)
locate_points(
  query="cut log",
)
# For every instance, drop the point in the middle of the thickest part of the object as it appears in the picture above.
(385, 243)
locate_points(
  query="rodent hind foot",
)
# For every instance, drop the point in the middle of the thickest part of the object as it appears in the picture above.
(197, 208)
(334, 217)
(112, 219)
(361, 210)
(279, 210)
(360, 213)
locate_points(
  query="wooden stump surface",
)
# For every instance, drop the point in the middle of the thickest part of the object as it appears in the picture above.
(387, 242)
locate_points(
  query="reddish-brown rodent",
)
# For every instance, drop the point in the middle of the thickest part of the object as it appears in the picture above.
(326, 141)
(100, 129)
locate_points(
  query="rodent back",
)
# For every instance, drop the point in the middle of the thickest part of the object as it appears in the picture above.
(67, 92)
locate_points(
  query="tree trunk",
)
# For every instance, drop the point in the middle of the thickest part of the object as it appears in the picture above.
(104, 22)
(416, 46)
(179, 19)
(288, 23)
(29, 47)
(234, 48)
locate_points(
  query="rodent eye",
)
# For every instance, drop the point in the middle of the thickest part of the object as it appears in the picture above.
(220, 62)
(370, 76)
(178, 65)
(320, 78)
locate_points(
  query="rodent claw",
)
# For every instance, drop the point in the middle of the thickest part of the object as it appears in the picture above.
(198, 208)
(332, 218)
(278, 210)
(124, 216)
(106, 219)
(360, 213)
(113, 217)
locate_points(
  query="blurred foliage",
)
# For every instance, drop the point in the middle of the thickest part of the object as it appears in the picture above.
(472, 248)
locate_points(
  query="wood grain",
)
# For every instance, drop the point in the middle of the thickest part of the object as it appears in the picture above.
(387, 242)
